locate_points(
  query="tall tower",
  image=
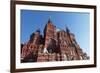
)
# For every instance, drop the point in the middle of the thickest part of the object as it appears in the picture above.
(50, 37)
(35, 37)
(73, 44)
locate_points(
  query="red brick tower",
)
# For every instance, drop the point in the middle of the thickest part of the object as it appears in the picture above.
(35, 37)
(50, 37)
(30, 50)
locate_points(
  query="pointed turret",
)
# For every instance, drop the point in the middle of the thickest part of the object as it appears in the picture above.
(67, 30)
(49, 21)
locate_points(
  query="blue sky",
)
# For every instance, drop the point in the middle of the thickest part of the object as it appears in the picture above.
(78, 23)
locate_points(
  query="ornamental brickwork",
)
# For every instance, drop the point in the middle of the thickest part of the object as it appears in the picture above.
(55, 45)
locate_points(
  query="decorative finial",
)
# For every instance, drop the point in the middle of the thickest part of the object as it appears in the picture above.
(49, 21)
(67, 30)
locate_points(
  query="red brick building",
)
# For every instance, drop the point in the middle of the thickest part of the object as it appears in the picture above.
(55, 45)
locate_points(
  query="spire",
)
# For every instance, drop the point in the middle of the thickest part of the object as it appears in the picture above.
(67, 30)
(49, 21)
